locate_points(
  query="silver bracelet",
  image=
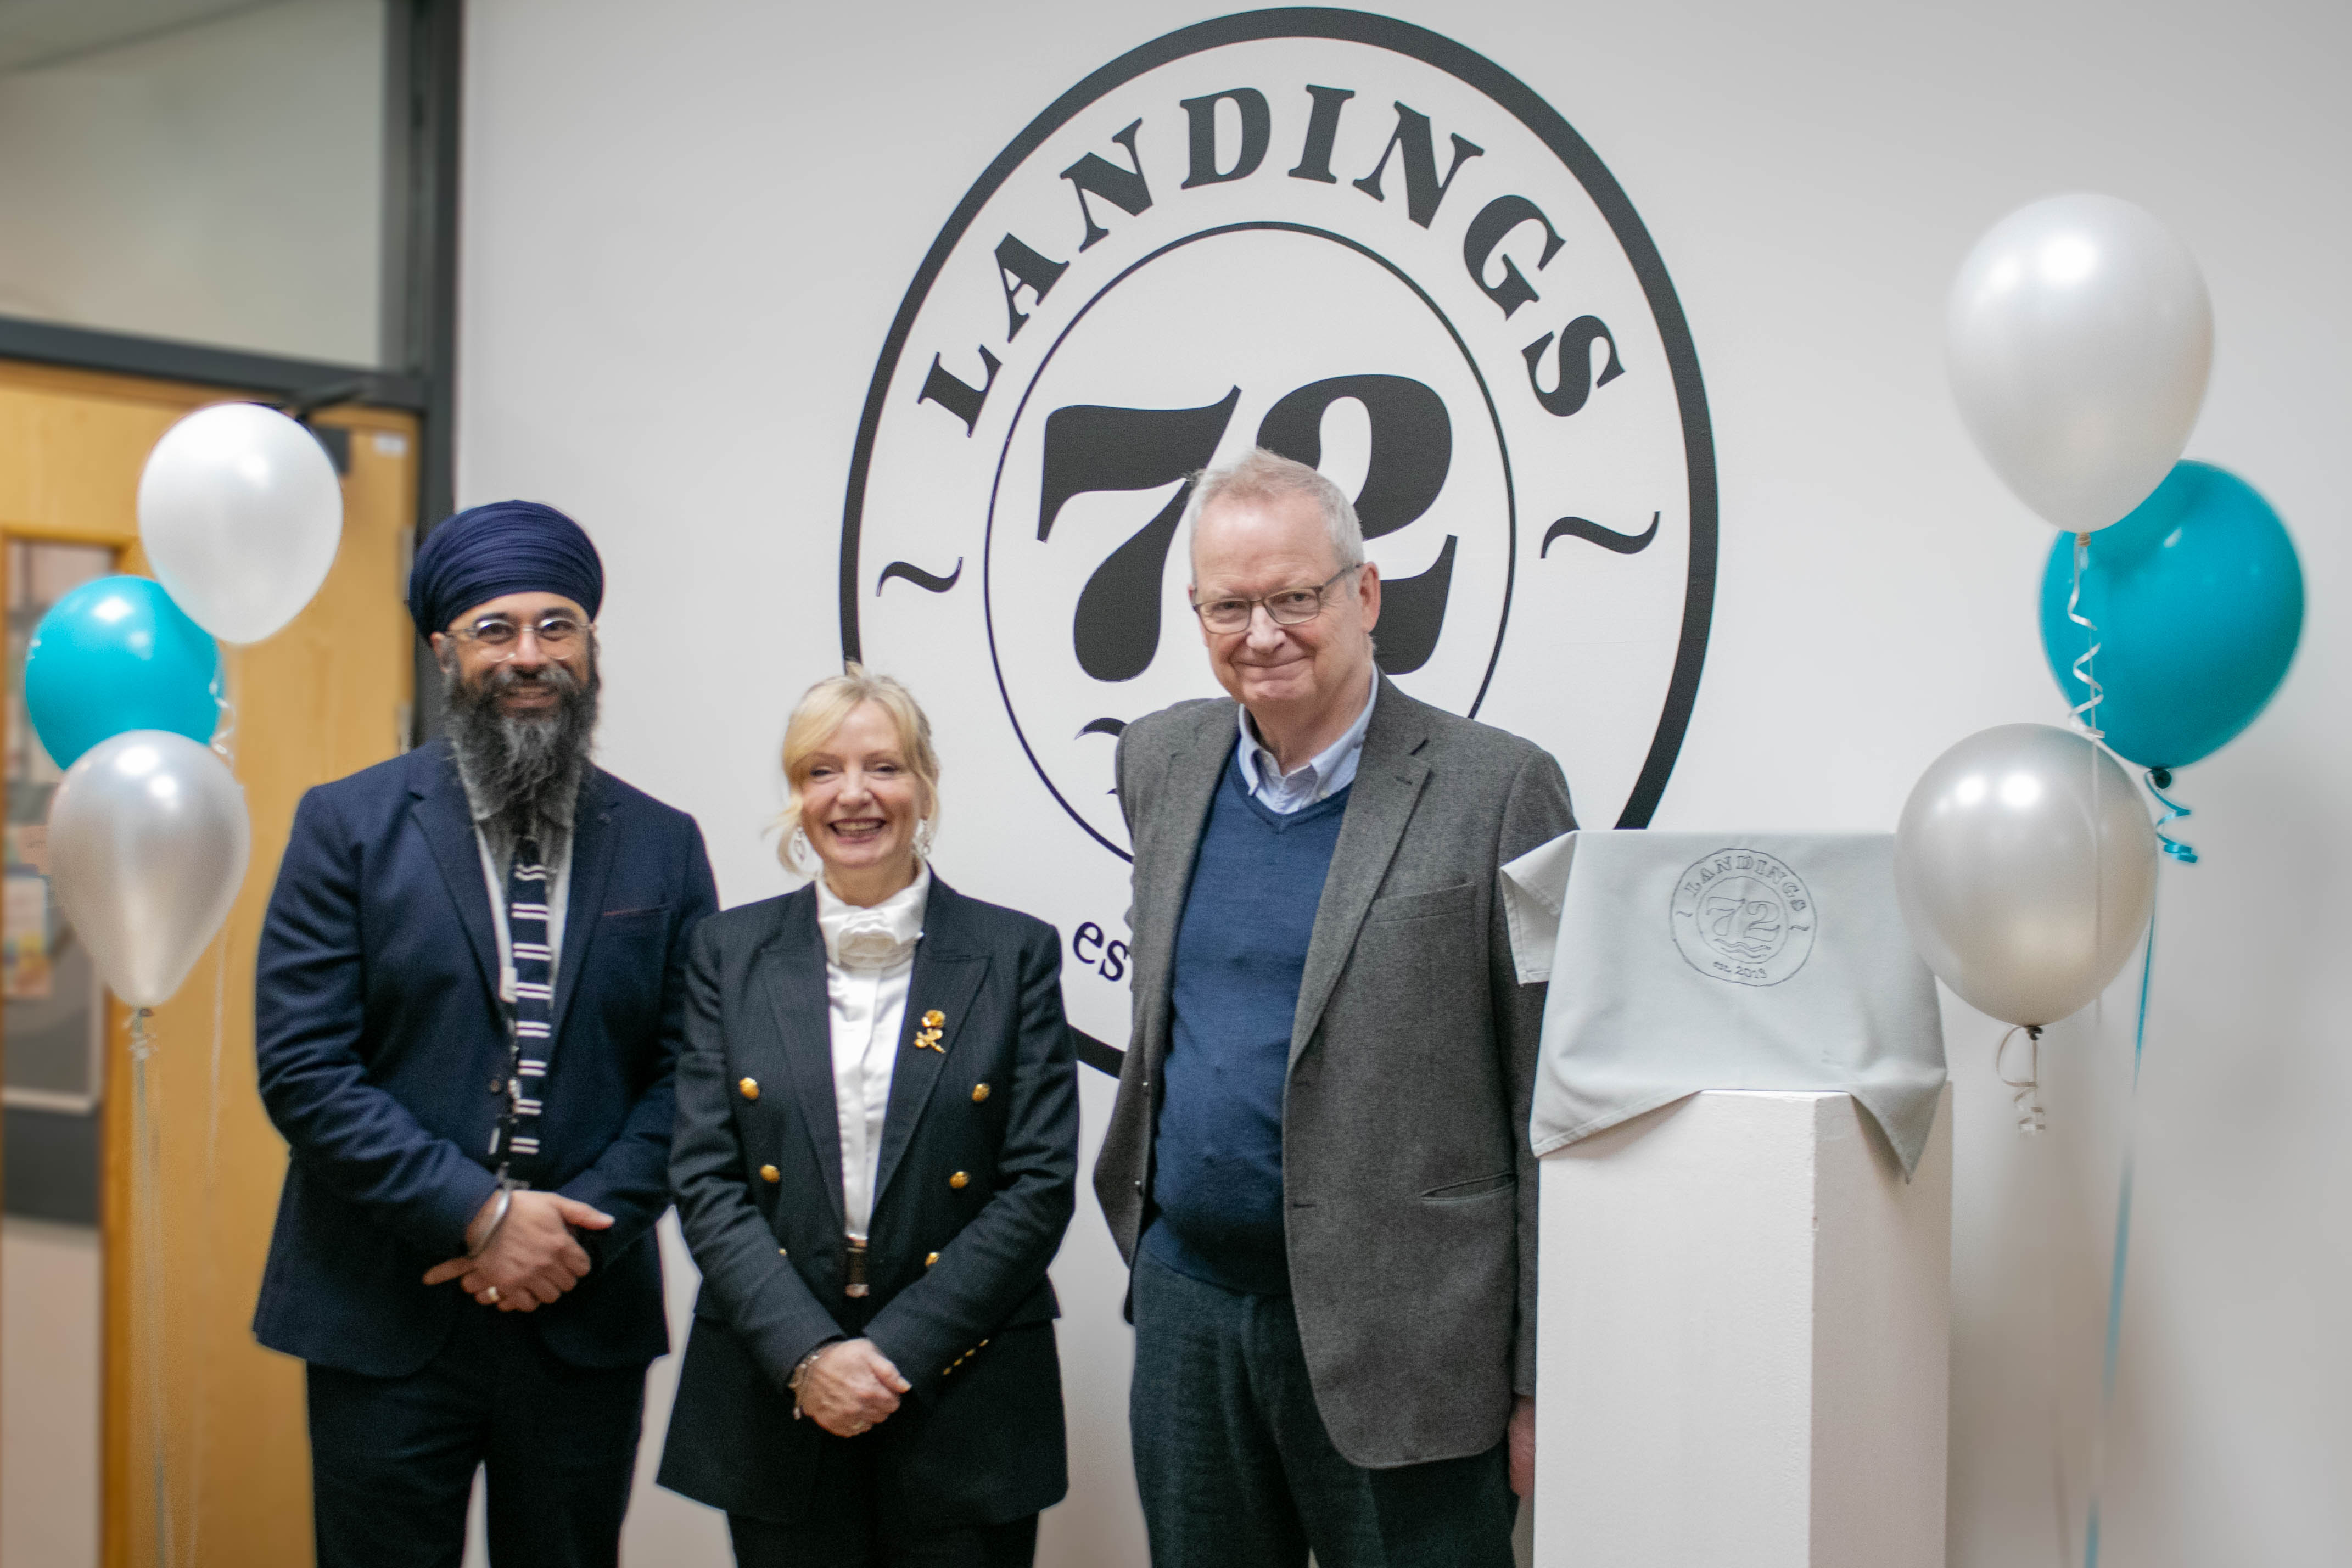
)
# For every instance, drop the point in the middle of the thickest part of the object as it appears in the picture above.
(505, 1201)
(801, 1372)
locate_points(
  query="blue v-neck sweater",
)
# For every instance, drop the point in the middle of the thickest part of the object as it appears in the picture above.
(1240, 951)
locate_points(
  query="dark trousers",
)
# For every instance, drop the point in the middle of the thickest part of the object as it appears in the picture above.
(1237, 1469)
(392, 1458)
(863, 1542)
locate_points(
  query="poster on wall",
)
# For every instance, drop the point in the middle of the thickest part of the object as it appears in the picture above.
(1352, 241)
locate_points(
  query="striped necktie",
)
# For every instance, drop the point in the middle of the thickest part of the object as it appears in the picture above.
(529, 1008)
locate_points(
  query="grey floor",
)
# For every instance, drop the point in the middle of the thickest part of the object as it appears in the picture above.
(49, 1337)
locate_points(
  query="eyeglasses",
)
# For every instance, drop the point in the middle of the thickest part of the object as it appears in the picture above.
(1288, 607)
(501, 638)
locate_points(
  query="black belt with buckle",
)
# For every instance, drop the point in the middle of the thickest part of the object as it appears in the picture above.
(856, 1265)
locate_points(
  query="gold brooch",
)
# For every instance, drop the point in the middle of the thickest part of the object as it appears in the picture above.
(934, 1018)
(928, 1040)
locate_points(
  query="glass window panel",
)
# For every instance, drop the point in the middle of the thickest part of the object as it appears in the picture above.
(201, 169)
(49, 987)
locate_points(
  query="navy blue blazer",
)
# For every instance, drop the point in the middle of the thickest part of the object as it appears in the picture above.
(977, 1171)
(382, 1054)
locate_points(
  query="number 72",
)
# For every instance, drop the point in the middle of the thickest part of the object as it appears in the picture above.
(1115, 631)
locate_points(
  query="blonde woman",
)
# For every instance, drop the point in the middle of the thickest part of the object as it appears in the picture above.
(875, 1156)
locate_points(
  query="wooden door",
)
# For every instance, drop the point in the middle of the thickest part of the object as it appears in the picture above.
(325, 697)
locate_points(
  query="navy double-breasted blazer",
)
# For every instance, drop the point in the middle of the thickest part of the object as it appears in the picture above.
(977, 1171)
(383, 1055)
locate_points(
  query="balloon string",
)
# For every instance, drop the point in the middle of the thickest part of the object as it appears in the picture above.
(2086, 712)
(2053, 1315)
(2158, 780)
(148, 1225)
(2122, 1257)
(200, 1401)
(2025, 1093)
(225, 746)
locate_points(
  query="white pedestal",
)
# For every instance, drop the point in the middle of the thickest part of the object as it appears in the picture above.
(1744, 1322)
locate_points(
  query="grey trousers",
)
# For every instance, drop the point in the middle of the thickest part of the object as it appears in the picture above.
(1237, 1469)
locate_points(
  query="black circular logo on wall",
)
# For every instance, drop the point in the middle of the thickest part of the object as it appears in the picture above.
(1350, 240)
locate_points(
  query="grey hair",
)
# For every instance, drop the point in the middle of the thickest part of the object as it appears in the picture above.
(1263, 476)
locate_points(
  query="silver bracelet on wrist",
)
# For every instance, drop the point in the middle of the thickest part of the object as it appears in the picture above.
(801, 1372)
(505, 1201)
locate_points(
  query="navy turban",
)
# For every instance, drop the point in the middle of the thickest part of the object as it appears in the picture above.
(506, 547)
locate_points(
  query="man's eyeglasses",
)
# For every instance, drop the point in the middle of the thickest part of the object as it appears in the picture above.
(1288, 607)
(501, 638)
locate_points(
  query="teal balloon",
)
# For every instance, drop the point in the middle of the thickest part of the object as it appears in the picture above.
(114, 655)
(2198, 599)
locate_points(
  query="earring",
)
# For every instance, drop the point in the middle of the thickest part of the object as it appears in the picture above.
(924, 832)
(798, 849)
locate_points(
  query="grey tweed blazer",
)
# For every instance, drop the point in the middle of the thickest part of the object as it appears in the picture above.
(1410, 1187)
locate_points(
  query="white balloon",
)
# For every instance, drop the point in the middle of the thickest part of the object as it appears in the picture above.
(148, 843)
(241, 513)
(2079, 336)
(2025, 867)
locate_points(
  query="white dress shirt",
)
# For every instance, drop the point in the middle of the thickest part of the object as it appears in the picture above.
(869, 958)
(1326, 773)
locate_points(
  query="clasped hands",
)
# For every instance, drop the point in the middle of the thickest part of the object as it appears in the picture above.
(531, 1260)
(850, 1387)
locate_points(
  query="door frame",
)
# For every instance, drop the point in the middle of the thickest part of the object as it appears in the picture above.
(268, 757)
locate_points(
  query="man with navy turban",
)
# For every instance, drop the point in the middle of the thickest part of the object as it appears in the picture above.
(469, 1000)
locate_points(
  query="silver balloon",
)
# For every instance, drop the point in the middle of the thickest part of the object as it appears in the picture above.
(2025, 865)
(148, 842)
(2078, 337)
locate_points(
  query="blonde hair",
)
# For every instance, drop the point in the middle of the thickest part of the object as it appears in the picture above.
(820, 712)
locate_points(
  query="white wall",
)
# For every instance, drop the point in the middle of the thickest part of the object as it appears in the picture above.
(219, 182)
(687, 227)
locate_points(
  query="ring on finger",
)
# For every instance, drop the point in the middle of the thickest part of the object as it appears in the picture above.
(490, 1296)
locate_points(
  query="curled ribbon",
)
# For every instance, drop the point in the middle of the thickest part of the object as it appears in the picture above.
(2025, 1093)
(2085, 711)
(224, 738)
(2158, 780)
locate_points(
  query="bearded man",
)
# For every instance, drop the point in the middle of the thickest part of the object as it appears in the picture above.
(468, 1003)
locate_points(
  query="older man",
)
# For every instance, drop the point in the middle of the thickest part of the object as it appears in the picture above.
(469, 1005)
(1317, 1164)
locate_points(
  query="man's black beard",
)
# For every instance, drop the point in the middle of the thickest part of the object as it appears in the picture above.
(522, 772)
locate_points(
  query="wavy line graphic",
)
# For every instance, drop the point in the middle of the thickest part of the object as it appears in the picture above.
(918, 577)
(1593, 533)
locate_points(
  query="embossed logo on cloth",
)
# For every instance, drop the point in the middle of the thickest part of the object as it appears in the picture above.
(1743, 916)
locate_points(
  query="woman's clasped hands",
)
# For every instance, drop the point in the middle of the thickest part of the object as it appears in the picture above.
(850, 1387)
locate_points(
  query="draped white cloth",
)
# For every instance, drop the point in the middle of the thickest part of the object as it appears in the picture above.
(1682, 962)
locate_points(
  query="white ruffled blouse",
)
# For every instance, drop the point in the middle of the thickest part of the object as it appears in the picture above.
(869, 956)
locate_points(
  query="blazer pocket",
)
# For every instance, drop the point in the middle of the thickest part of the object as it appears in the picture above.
(1459, 899)
(1477, 1187)
(643, 911)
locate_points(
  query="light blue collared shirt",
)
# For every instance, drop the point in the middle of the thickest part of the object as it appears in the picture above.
(1320, 777)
